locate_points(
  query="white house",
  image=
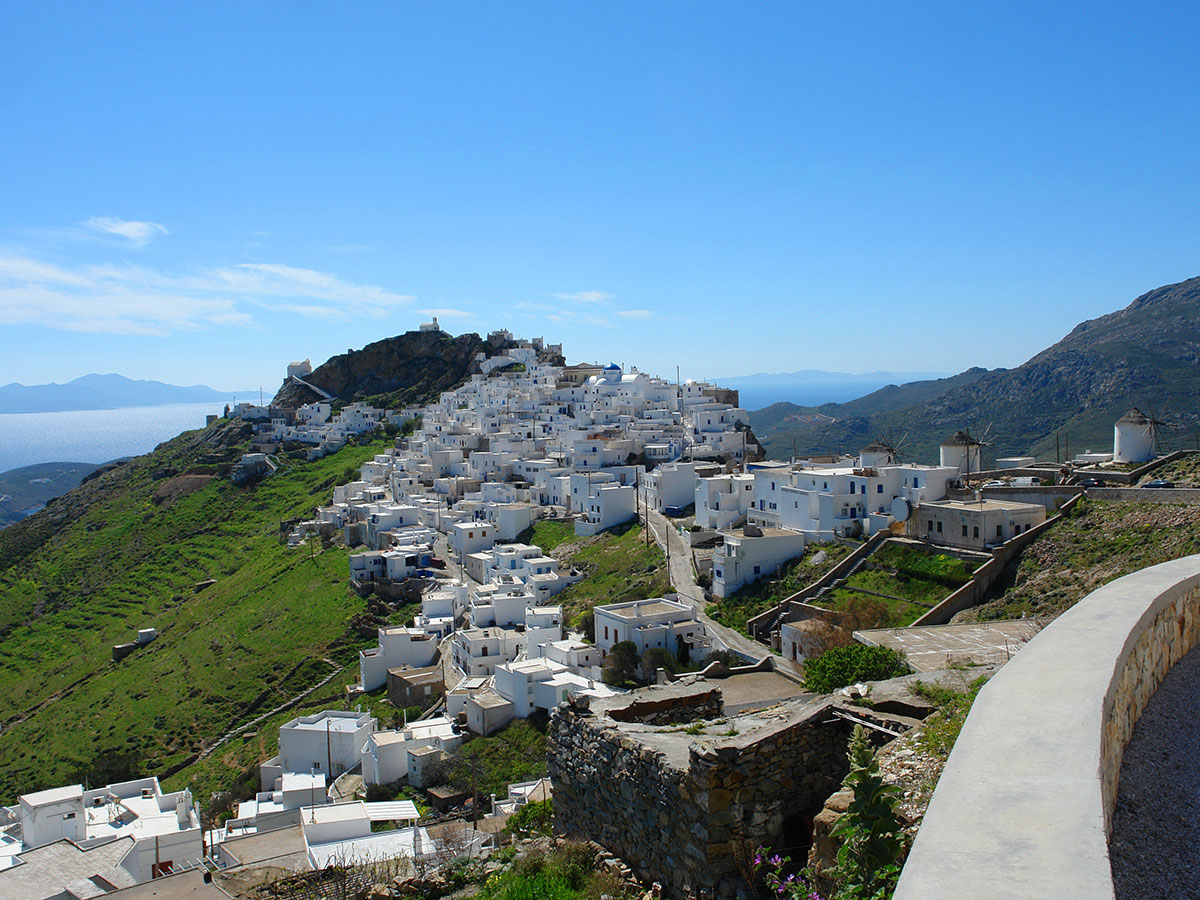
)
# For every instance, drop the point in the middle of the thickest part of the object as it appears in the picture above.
(976, 525)
(606, 506)
(387, 755)
(723, 499)
(341, 834)
(749, 553)
(656, 622)
(161, 832)
(280, 805)
(672, 485)
(398, 646)
(477, 651)
(326, 743)
(471, 537)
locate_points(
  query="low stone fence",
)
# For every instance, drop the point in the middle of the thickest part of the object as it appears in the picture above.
(1024, 806)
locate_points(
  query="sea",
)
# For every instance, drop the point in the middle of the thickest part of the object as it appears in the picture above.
(94, 435)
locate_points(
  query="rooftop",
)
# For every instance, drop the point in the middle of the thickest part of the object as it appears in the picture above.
(635, 609)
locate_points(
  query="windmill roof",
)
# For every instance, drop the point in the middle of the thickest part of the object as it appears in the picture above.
(960, 439)
(1134, 417)
(877, 447)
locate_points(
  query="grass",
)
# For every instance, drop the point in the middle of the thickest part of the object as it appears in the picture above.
(892, 613)
(619, 566)
(940, 730)
(228, 653)
(568, 872)
(514, 754)
(548, 534)
(768, 592)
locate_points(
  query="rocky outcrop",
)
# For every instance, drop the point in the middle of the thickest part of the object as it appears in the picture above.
(408, 369)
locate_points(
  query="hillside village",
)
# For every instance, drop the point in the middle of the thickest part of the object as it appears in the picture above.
(444, 523)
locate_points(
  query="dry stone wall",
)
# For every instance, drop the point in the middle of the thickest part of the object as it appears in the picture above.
(684, 809)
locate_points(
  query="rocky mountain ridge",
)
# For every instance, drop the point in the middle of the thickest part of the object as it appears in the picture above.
(1146, 355)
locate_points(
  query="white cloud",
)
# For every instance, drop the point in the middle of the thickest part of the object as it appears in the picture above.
(585, 296)
(137, 233)
(140, 300)
(635, 313)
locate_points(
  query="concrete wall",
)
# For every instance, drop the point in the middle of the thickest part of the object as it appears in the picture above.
(1041, 750)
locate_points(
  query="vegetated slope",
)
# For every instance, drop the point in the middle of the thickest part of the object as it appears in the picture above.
(1146, 355)
(618, 564)
(408, 369)
(122, 552)
(1094, 543)
(25, 490)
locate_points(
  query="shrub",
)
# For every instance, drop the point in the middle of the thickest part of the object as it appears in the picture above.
(841, 666)
(532, 818)
(873, 842)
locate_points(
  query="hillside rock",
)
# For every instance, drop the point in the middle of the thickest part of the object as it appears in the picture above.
(410, 368)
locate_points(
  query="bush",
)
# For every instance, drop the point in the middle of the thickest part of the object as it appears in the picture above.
(841, 666)
(532, 818)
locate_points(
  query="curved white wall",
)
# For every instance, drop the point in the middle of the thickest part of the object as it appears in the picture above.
(1023, 807)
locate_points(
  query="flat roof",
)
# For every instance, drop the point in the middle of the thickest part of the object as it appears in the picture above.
(930, 647)
(987, 505)
(654, 607)
(329, 723)
(53, 795)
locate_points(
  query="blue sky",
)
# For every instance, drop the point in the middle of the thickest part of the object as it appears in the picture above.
(202, 193)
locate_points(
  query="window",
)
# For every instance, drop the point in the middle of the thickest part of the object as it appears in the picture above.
(939, 527)
(975, 532)
(69, 815)
(999, 531)
(756, 570)
(879, 488)
(484, 653)
(852, 487)
(606, 627)
(930, 528)
(964, 534)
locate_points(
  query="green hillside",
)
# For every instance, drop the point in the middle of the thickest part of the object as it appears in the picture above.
(123, 552)
(1146, 355)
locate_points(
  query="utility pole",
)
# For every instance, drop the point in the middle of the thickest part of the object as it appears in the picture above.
(474, 792)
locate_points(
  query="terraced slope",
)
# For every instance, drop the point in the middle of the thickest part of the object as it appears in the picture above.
(123, 552)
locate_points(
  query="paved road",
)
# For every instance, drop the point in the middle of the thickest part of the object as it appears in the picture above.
(683, 581)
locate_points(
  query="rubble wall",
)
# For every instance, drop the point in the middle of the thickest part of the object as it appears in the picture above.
(689, 813)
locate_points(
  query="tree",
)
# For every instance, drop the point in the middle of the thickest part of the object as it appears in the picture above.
(841, 666)
(621, 665)
(682, 651)
(657, 658)
(873, 841)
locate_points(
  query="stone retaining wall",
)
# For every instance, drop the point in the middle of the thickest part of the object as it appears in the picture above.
(1025, 802)
(679, 808)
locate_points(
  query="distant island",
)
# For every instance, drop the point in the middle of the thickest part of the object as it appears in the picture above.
(105, 392)
(25, 490)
